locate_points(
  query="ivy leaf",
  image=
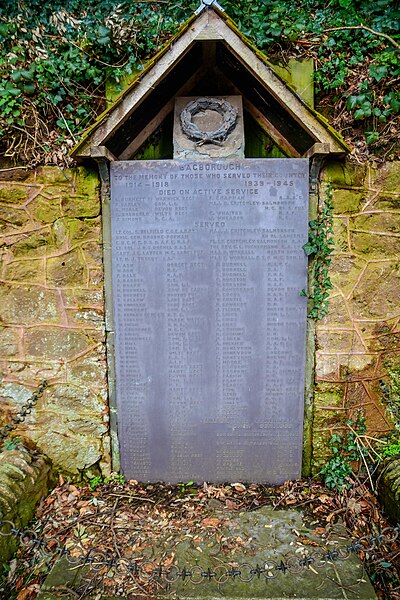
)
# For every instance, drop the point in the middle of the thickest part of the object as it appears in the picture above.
(309, 248)
(377, 72)
(371, 136)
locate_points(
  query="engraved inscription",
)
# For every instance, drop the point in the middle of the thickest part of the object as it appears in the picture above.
(208, 266)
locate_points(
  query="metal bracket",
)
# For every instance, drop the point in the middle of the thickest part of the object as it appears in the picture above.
(207, 4)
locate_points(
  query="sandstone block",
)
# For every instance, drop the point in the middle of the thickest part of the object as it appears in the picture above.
(31, 270)
(344, 173)
(13, 194)
(345, 270)
(376, 296)
(67, 270)
(347, 201)
(28, 305)
(8, 342)
(55, 342)
(44, 210)
(34, 244)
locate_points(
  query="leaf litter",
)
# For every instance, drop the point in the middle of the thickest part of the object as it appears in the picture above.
(146, 522)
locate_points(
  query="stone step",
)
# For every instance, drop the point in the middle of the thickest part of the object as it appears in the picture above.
(262, 535)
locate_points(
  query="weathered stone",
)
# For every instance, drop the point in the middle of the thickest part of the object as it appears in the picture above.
(53, 175)
(387, 202)
(87, 182)
(340, 235)
(390, 177)
(67, 270)
(11, 219)
(17, 394)
(71, 452)
(72, 400)
(87, 370)
(24, 480)
(90, 316)
(8, 341)
(55, 342)
(345, 270)
(347, 201)
(352, 365)
(44, 210)
(376, 245)
(84, 229)
(86, 298)
(389, 487)
(81, 206)
(325, 366)
(339, 341)
(33, 244)
(377, 293)
(31, 270)
(344, 173)
(13, 194)
(338, 313)
(27, 305)
(25, 370)
(382, 222)
(93, 254)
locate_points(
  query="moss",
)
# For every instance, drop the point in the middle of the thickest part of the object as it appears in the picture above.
(13, 194)
(375, 245)
(87, 182)
(347, 201)
(391, 390)
(391, 177)
(35, 244)
(344, 173)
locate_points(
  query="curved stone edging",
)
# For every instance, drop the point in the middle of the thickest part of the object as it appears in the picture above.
(25, 478)
(389, 488)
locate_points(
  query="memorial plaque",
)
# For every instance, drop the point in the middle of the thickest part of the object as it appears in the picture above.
(210, 326)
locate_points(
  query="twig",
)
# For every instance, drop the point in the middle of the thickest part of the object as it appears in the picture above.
(12, 169)
(361, 26)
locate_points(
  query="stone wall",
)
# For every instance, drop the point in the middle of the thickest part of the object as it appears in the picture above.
(24, 481)
(52, 313)
(358, 342)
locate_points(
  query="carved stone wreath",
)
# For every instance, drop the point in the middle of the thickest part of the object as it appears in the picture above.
(218, 136)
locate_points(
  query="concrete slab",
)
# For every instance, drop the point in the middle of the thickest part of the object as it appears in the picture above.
(268, 538)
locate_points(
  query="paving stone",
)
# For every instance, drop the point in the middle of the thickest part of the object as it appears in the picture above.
(262, 535)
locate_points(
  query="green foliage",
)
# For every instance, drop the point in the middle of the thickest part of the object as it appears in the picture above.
(11, 443)
(55, 57)
(320, 247)
(187, 488)
(345, 451)
(115, 479)
(391, 450)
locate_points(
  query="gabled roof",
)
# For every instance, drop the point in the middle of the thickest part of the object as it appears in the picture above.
(208, 42)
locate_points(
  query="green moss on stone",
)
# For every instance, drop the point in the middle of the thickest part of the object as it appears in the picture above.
(344, 173)
(391, 390)
(13, 194)
(375, 245)
(347, 201)
(33, 244)
(44, 211)
(391, 177)
(87, 182)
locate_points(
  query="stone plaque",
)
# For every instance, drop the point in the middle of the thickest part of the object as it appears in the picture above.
(210, 326)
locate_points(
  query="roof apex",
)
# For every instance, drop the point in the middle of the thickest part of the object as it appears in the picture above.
(211, 23)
